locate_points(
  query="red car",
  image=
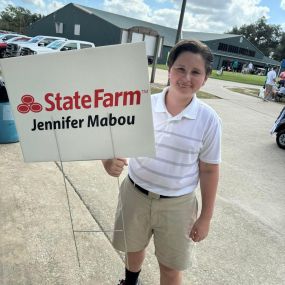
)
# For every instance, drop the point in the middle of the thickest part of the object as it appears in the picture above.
(3, 45)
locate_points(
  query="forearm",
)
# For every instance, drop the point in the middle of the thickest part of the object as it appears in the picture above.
(209, 177)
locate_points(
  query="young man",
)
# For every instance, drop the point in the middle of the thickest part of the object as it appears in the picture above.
(270, 83)
(158, 196)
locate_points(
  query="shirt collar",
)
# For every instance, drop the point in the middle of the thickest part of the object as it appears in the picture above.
(190, 112)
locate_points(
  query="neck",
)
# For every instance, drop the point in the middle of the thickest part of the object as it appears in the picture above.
(175, 104)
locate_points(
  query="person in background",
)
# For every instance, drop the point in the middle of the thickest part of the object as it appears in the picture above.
(279, 93)
(235, 65)
(269, 84)
(250, 68)
(158, 198)
(282, 79)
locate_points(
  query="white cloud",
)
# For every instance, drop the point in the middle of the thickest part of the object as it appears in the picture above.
(221, 15)
(166, 17)
(38, 3)
(282, 4)
(131, 8)
(5, 3)
(216, 16)
(54, 5)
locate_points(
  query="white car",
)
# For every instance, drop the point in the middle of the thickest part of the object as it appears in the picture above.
(56, 46)
(14, 49)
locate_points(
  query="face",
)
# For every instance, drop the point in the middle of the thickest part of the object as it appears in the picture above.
(187, 74)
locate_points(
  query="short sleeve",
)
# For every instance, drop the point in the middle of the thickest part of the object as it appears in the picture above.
(211, 148)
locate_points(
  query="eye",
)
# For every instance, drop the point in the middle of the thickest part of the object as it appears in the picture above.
(196, 72)
(180, 69)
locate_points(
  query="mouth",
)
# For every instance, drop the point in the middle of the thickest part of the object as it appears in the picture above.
(182, 85)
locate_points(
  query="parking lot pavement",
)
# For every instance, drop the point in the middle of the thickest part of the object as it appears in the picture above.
(36, 240)
(246, 244)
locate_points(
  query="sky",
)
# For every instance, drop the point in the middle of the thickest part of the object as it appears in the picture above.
(213, 16)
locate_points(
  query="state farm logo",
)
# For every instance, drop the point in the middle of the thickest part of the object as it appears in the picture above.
(98, 99)
(29, 104)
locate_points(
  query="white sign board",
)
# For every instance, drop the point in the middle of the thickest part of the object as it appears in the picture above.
(82, 105)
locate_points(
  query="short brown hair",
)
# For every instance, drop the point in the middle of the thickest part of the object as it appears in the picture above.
(193, 46)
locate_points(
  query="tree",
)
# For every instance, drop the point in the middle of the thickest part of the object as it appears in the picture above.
(16, 19)
(279, 53)
(264, 36)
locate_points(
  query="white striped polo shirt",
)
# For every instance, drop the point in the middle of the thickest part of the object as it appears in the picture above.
(180, 142)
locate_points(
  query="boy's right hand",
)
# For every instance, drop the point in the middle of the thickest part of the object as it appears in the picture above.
(114, 167)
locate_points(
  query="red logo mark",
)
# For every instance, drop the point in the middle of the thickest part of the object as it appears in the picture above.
(29, 104)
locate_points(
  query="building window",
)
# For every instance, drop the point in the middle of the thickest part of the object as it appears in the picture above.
(251, 53)
(223, 47)
(233, 49)
(59, 28)
(77, 30)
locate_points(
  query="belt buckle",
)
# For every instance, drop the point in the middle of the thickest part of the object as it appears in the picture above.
(153, 195)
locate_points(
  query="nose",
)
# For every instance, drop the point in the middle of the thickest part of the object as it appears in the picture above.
(188, 75)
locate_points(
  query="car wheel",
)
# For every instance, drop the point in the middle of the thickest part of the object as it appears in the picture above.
(280, 139)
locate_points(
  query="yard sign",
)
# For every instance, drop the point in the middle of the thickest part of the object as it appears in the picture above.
(87, 104)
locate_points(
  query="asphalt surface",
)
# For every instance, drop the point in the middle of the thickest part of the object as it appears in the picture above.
(246, 245)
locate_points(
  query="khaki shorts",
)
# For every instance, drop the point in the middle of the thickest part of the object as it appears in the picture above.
(169, 220)
(268, 89)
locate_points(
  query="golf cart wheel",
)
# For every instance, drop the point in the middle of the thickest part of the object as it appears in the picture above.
(280, 139)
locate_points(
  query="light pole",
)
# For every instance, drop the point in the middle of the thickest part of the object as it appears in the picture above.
(180, 21)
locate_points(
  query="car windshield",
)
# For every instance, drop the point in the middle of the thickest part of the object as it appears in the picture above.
(19, 39)
(55, 45)
(35, 39)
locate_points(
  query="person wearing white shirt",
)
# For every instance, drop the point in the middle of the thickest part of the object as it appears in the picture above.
(158, 197)
(270, 83)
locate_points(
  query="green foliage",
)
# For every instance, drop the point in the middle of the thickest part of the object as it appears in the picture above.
(265, 37)
(239, 77)
(16, 19)
(280, 50)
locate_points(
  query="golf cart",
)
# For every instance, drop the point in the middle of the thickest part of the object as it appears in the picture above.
(279, 129)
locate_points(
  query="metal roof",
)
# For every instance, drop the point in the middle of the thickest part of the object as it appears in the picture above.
(169, 34)
(124, 22)
(204, 37)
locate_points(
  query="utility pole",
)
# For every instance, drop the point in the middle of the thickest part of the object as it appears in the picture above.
(178, 35)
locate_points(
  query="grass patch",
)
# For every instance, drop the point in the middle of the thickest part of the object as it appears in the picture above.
(200, 94)
(155, 90)
(206, 95)
(239, 77)
(232, 76)
(162, 66)
(246, 91)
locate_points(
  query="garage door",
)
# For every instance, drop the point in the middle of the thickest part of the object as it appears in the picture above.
(136, 37)
(150, 45)
(124, 37)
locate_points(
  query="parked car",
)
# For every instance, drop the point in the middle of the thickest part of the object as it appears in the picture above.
(56, 46)
(279, 129)
(6, 37)
(3, 45)
(14, 49)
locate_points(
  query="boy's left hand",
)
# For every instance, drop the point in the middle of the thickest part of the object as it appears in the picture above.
(200, 229)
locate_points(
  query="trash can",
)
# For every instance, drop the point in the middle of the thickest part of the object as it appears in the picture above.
(8, 132)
